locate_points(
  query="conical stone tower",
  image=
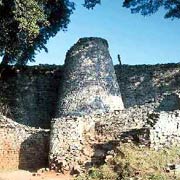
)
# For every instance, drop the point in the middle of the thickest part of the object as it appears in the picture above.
(89, 87)
(89, 84)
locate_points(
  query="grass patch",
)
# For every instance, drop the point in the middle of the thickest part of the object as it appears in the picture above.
(137, 163)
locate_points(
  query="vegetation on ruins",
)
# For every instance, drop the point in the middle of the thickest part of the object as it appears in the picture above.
(26, 25)
(136, 162)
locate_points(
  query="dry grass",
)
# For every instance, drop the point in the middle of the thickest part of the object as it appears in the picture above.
(137, 163)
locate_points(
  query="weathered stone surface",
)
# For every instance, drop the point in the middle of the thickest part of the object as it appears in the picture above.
(166, 130)
(71, 136)
(148, 84)
(30, 96)
(68, 140)
(89, 82)
(89, 87)
(22, 147)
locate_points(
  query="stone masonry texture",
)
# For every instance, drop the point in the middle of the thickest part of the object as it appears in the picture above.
(89, 82)
(28, 95)
(22, 147)
(89, 87)
(82, 100)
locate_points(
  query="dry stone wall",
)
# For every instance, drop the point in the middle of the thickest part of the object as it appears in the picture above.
(166, 130)
(73, 139)
(22, 147)
(68, 142)
(31, 97)
(154, 129)
(81, 141)
(148, 84)
(89, 87)
(89, 83)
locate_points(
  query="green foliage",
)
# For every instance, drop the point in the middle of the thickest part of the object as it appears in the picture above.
(148, 7)
(90, 4)
(26, 26)
(157, 177)
(104, 172)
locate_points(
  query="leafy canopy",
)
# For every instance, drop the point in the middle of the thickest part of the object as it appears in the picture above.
(148, 7)
(26, 25)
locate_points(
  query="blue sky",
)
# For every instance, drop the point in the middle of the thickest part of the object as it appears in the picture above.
(138, 39)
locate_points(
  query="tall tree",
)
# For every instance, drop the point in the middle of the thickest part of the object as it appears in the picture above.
(26, 26)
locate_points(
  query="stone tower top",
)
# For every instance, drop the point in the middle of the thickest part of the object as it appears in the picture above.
(89, 82)
(83, 43)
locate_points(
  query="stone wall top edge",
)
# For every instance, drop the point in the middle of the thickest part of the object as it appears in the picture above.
(97, 39)
(82, 42)
(11, 70)
(8, 123)
(40, 67)
(47, 67)
(174, 112)
(166, 65)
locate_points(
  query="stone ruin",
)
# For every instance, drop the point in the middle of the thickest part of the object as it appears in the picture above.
(70, 116)
(89, 82)
(89, 87)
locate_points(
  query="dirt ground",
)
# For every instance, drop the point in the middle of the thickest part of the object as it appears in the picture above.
(25, 175)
